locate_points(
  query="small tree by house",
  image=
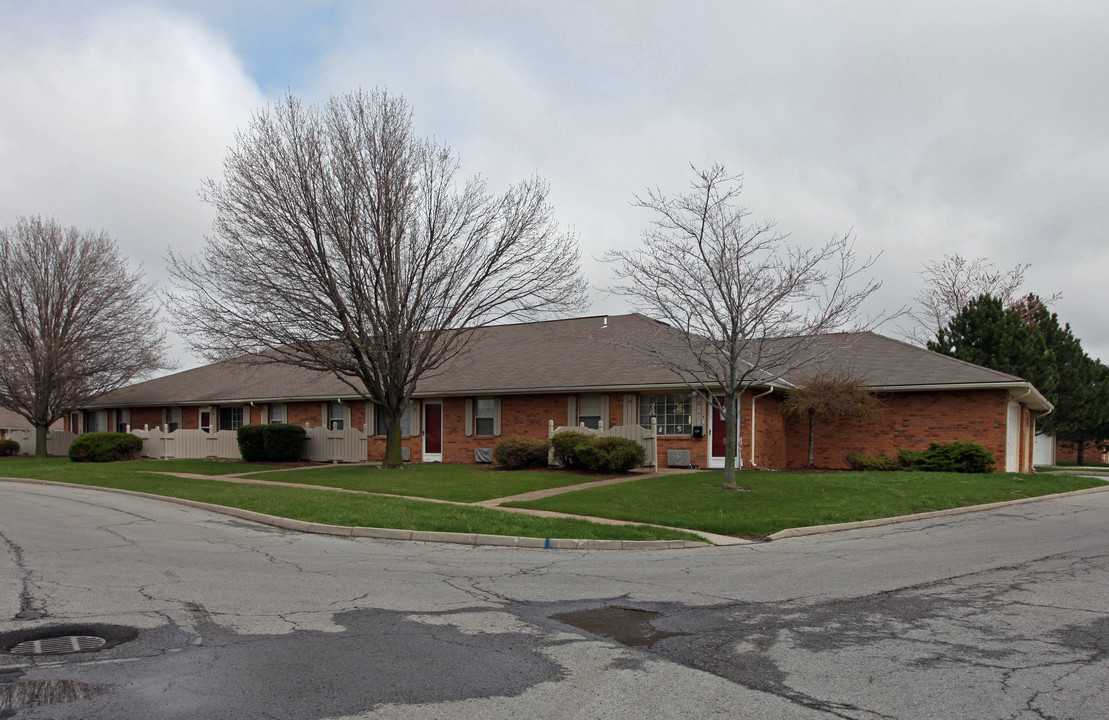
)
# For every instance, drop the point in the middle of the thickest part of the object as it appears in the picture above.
(829, 397)
(741, 304)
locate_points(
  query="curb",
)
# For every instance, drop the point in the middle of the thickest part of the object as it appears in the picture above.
(392, 533)
(877, 522)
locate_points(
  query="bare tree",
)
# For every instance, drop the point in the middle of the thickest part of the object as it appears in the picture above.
(743, 305)
(829, 395)
(75, 322)
(344, 243)
(951, 283)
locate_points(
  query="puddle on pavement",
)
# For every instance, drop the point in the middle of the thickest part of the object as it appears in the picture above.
(627, 626)
(33, 693)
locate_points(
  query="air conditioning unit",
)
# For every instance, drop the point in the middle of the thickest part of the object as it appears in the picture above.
(677, 458)
(483, 455)
(405, 454)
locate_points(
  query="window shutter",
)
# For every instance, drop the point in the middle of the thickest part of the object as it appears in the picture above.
(323, 416)
(469, 417)
(604, 412)
(572, 410)
(415, 421)
(631, 416)
(497, 416)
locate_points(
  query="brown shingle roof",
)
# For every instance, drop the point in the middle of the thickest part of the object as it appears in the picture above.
(560, 355)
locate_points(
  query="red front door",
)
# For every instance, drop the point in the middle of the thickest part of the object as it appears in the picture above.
(719, 430)
(433, 428)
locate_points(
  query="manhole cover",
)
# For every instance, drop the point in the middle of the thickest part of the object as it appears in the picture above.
(59, 645)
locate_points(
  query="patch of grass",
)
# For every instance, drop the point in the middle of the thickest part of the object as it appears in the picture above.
(457, 483)
(780, 500)
(328, 507)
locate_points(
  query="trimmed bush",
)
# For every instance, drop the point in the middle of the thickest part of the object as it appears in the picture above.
(579, 451)
(105, 447)
(251, 442)
(8, 447)
(521, 453)
(872, 461)
(565, 446)
(611, 454)
(963, 456)
(283, 442)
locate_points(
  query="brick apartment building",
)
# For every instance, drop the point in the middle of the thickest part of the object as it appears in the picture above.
(521, 379)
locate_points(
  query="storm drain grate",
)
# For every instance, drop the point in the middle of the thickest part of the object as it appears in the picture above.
(59, 645)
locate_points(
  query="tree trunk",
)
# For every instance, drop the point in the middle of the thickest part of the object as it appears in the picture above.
(1080, 459)
(40, 441)
(393, 456)
(812, 438)
(731, 421)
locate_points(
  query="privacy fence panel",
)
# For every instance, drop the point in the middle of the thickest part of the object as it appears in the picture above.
(325, 445)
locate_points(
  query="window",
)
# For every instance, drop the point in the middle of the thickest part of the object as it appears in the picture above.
(173, 420)
(277, 414)
(123, 420)
(230, 418)
(336, 416)
(590, 409)
(484, 411)
(405, 421)
(90, 422)
(672, 413)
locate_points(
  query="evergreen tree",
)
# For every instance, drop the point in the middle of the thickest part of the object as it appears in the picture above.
(1027, 340)
(985, 333)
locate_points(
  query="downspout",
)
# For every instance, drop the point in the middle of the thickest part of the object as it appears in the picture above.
(753, 399)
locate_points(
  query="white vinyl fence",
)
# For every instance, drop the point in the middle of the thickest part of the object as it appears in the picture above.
(335, 445)
(57, 441)
(322, 445)
(644, 436)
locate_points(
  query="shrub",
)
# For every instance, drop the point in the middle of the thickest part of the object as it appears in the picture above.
(283, 442)
(610, 454)
(252, 444)
(8, 447)
(872, 461)
(104, 447)
(565, 446)
(963, 456)
(521, 453)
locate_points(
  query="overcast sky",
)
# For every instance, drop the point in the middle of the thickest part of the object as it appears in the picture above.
(923, 127)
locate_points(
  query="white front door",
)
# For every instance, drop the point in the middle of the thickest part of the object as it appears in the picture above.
(1012, 439)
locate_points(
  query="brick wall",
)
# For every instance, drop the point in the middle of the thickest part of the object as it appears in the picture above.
(910, 421)
(1067, 452)
(145, 416)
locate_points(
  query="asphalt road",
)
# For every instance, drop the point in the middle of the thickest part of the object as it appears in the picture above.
(1003, 614)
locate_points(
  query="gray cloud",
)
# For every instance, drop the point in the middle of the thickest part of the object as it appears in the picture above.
(927, 127)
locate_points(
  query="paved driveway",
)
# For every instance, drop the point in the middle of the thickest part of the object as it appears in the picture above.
(1000, 614)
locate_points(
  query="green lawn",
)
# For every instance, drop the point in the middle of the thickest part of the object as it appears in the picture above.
(780, 500)
(458, 483)
(322, 506)
(776, 501)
